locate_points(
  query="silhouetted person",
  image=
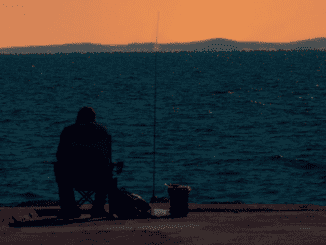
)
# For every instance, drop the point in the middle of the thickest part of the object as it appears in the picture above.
(83, 155)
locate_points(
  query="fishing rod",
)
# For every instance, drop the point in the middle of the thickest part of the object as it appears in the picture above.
(153, 197)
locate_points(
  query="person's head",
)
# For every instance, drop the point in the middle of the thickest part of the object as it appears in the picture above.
(86, 115)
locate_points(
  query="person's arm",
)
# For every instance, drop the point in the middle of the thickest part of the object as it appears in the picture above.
(60, 169)
(63, 147)
(109, 147)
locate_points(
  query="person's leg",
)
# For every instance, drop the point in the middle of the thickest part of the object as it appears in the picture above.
(114, 197)
(67, 196)
(102, 192)
(65, 189)
(100, 199)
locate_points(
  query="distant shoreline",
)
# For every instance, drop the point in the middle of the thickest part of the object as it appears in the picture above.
(211, 45)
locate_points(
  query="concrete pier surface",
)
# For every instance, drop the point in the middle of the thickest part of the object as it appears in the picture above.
(204, 224)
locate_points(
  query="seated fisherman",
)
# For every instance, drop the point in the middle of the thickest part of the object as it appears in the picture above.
(83, 155)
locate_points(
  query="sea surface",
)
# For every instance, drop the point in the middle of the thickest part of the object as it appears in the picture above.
(234, 126)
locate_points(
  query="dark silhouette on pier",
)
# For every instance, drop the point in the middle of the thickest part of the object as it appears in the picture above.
(83, 156)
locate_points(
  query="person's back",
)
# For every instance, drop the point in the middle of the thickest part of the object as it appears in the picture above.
(85, 146)
(83, 155)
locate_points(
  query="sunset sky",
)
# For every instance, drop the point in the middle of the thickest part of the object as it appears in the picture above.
(39, 22)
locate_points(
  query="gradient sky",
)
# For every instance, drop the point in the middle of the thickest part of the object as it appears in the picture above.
(39, 22)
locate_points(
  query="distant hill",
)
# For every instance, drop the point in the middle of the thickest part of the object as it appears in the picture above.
(211, 45)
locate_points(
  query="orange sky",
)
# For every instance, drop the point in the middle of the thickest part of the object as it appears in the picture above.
(39, 22)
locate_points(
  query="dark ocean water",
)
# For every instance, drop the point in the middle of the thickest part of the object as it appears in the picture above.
(234, 126)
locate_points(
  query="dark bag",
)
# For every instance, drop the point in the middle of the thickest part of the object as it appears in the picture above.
(128, 205)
